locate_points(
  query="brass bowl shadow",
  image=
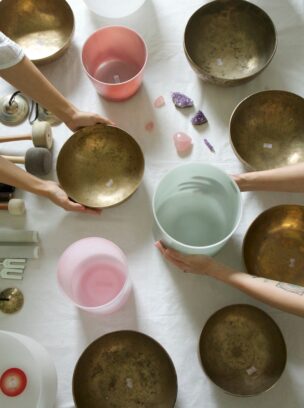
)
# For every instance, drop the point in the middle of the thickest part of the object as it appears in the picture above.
(228, 42)
(124, 369)
(267, 130)
(242, 350)
(273, 246)
(100, 166)
(43, 28)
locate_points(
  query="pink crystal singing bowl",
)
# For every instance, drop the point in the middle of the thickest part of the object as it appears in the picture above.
(114, 59)
(93, 273)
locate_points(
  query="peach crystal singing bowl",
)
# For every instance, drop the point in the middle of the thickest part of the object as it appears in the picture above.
(114, 59)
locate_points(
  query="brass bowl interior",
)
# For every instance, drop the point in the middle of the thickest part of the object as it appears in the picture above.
(124, 369)
(229, 42)
(267, 130)
(43, 28)
(100, 166)
(242, 350)
(273, 246)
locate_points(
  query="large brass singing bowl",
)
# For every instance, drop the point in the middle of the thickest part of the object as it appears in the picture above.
(228, 42)
(124, 369)
(43, 28)
(242, 350)
(267, 130)
(273, 246)
(100, 166)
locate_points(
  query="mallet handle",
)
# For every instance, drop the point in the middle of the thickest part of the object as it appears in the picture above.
(15, 159)
(3, 206)
(15, 138)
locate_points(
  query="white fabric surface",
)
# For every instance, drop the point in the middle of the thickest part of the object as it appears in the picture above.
(10, 52)
(166, 304)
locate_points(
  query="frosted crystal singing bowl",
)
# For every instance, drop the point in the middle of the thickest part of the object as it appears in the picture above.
(24, 353)
(197, 207)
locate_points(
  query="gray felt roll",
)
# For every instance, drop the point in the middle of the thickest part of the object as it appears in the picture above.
(38, 160)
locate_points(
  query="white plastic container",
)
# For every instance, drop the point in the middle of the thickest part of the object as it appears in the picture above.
(114, 8)
(197, 208)
(18, 351)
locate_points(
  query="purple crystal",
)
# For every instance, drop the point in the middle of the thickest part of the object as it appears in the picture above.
(180, 100)
(199, 118)
(209, 145)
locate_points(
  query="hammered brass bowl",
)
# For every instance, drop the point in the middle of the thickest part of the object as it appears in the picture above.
(228, 42)
(273, 246)
(267, 130)
(242, 350)
(100, 166)
(124, 369)
(43, 28)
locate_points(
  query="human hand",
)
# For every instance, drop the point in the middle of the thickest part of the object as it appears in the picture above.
(81, 119)
(198, 264)
(55, 193)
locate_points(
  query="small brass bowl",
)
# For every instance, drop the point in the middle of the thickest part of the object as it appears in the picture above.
(267, 130)
(273, 246)
(228, 42)
(242, 350)
(43, 28)
(100, 166)
(124, 369)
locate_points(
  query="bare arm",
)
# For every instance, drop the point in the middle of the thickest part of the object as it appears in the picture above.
(25, 77)
(289, 298)
(283, 179)
(13, 175)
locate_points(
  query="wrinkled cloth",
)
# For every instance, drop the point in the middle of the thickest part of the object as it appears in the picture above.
(10, 52)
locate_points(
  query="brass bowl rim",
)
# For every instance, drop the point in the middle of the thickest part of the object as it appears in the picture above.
(52, 57)
(231, 80)
(113, 85)
(127, 332)
(140, 178)
(283, 342)
(252, 224)
(270, 91)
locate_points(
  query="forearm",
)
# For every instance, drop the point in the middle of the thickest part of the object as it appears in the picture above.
(284, 179)
(25, 77)
(289, 298)
(13, 175)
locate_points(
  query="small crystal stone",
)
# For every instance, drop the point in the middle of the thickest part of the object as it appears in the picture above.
(180, 100)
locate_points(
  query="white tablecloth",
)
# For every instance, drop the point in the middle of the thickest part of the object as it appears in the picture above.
(165, 304)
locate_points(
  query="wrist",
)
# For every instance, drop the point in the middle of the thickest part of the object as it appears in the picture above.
(40, 187)
(245, 181)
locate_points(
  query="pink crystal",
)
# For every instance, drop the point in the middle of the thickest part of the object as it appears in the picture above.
(183, 142)
(159, 102)
(149, 126)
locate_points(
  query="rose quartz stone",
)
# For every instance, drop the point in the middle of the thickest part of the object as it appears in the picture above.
(182, 141)
(149, 126)
(159, 102)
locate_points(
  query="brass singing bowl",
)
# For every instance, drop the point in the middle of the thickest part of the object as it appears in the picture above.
(124, 369)
(228, 42)
(267, 130)
(100, 166)
(43, 28)
(273, 246)
(242, 350)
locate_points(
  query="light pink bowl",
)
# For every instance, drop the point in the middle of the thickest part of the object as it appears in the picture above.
(114, 59)
(93, 273)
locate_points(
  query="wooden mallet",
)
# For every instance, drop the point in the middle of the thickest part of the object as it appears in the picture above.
(41, 135)
(15, 206)
(37, 160)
